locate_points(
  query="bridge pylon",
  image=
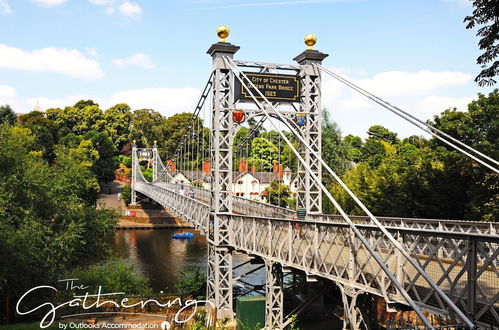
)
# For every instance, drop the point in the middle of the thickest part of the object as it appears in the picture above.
(219, 288)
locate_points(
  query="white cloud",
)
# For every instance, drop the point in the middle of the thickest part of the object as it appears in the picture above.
(92, 51)
(70, 62)
(412, 83)
(130, 9)
(167, 101)
(8, 95)
(415, 92)
(4, 7)
(49, 3)
(433, 105)
(140, 59)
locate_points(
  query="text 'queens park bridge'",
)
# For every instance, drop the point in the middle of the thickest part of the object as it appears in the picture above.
(433, 267)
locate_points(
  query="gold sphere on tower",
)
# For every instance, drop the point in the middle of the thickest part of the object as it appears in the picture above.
(223, 32)
(134, 141)
(310, 40)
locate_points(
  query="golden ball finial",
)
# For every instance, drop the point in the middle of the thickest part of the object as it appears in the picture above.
(310, 40)
(134, 142)
(155, 142)
(223, 32)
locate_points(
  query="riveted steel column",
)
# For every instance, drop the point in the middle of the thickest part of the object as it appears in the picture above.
(155, 163)
(309, 193)
(219, 291)
(135, 169)
(274, 296)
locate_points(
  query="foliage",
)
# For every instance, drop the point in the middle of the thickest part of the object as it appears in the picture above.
(173, 132)
(147, 126)
(354, 144)
(278, 194)
(118, 121)
(147, 172)
(426, 178)
(112, 276)
(107, 162)
(263, 153)
(47, 225)
(126, 194)
(7, 115)
(125, 160)
(334, 149)
(378, 132)
(485, 15)
(192, 282)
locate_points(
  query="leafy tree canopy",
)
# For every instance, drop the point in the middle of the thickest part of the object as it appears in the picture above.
(486, 15)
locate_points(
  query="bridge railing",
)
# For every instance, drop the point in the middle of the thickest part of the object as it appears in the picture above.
(188, 209)
(240, 205)
(464, 265)
(490, 228)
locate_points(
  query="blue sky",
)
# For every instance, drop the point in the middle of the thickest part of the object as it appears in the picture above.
(151, 53)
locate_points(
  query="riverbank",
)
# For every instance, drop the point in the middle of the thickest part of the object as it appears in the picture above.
(136, 217)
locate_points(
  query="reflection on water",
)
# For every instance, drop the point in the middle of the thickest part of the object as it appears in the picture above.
(158, 256)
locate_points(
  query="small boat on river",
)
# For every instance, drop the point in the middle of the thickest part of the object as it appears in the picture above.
(183, 235)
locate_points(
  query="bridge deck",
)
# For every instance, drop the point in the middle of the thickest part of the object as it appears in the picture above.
(326, 247)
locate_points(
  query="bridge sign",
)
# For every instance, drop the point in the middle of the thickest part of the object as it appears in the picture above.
(144, 153)
(275, 87)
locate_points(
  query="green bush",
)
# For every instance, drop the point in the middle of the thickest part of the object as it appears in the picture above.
(113, 276)
(192, 282)
(126, 194)
(125, 160)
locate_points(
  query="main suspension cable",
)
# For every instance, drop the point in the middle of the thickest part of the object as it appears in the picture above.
(417, 122)
(342, 212)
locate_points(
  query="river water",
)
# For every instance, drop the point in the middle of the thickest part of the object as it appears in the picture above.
(161, 258)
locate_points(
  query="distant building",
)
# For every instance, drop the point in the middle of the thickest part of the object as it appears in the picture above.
(248, 184)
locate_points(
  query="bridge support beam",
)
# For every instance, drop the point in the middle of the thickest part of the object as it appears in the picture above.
(274, 293)
(309, 192)
(219, 288)
(352, 315)
(220, 258)
(134, 173)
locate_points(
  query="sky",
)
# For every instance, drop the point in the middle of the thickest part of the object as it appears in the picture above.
(416, 54)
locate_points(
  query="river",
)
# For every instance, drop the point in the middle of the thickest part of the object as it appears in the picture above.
(161, 258)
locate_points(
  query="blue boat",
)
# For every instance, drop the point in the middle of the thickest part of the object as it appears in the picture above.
(183, 235)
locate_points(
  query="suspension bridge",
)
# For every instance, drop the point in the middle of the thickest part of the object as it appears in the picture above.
(439, 267)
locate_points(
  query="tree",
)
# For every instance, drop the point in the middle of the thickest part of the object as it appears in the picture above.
(46, 225)
(84, 103)
(355, 147)
(278, 194)
(7, 115)
(118, 124)
(77, 120)
(263, 153)
(174, 131)
(378, 132)
(486, 15)
(334, 150)
(107, 162)
(147, 127)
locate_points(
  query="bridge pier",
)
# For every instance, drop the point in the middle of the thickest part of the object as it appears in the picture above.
(274, 294)
(219, 288)
(352, 315)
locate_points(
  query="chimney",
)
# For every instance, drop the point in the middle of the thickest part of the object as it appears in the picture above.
(171, 164)
(281, 170)
(253, 168)
(243, 165)
(207, 167)
(276, 168)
